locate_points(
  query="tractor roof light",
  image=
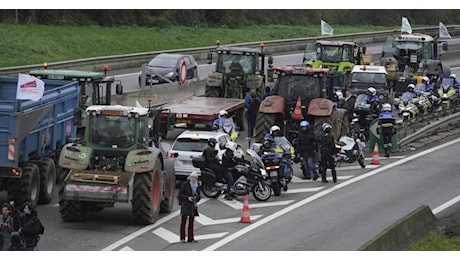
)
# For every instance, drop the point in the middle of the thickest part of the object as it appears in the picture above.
(45, 65)
(105, 68)
(217, 43)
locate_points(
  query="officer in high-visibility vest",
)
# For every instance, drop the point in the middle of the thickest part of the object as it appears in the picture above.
(387, 125)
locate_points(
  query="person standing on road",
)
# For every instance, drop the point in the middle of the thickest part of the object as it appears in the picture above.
(387, 125)
(251, 112)
(29, 227)
(6, 227)
(189, 195)
(327, 150)
(349, 104)
(306, 148)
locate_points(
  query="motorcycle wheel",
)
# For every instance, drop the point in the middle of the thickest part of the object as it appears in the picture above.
(211, 191)
(262, 191)
(361, 161)
(276, 186)
(285, 184)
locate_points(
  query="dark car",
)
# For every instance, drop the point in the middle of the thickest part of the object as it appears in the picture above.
(164, 68)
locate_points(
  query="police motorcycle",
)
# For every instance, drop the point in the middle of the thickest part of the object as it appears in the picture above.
(447, 94)
(277, 166)
(364, 113)
(407, 105)
(249, 174)
(226, 124)
(350, 148)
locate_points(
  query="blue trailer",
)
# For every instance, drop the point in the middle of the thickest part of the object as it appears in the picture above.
(31, 136)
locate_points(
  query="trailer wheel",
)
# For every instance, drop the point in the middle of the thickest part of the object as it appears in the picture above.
(47, 180)
(28, 187)
(70, 210)
(263, 123)
(147, 195)
(168, 202)
(212, 92)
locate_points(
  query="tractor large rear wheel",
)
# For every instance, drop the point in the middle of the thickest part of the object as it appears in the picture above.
(147, 192)
(212, 91)
(332, 119)
(263, 123)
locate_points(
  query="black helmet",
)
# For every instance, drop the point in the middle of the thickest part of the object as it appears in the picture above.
(326, 127)
(212, 142)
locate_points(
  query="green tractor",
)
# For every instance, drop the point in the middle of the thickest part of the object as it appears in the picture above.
(117, 161)
(237, 70)
(95, 88)
(339, 56)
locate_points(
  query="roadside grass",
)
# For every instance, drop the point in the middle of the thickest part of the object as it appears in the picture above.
(35, 44)
(437, 242)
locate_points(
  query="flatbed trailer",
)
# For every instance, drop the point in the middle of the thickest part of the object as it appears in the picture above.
(193, 110)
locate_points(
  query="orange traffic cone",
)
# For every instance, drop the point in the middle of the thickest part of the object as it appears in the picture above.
(245, 218)
(298, 110)
(375, 155)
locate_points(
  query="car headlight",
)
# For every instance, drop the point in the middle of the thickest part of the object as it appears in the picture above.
(169, 75)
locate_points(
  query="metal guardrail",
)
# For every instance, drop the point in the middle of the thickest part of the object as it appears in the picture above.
(428, 124)
(137, 59)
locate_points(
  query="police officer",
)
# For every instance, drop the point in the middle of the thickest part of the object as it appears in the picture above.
(387, 125)
(327, 150)
(212, 160)
(306, 148)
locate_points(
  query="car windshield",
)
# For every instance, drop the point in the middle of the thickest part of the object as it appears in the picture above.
(190, 144)
(378, 78)
(163, 61)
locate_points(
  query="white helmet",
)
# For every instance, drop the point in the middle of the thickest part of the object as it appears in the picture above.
(386, 107)
(411, 86)
(231, 145)
(372, 90)
(274, 129)
(453, 76)
(223, 113)
(425, 78)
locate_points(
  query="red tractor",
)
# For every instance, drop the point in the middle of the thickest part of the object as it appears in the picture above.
(301, 93)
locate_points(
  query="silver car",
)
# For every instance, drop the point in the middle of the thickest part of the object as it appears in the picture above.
(164, 68)
(191, 144)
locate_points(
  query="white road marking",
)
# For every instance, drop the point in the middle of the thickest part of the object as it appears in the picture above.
(239, 205)
(206, 221)
(320, 194)
(126, 248)
(171, 237)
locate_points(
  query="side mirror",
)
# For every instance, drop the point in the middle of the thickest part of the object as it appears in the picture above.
(270, 60)
(209, 58)
(445, 46)
(119, 89)
(364, 48)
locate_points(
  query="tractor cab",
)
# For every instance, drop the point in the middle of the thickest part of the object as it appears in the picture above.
(237, 70)
(95, 88)
(334, 54)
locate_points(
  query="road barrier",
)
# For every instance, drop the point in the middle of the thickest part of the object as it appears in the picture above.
(408, 230)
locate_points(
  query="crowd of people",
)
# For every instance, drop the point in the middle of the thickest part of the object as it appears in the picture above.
(19, 231)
